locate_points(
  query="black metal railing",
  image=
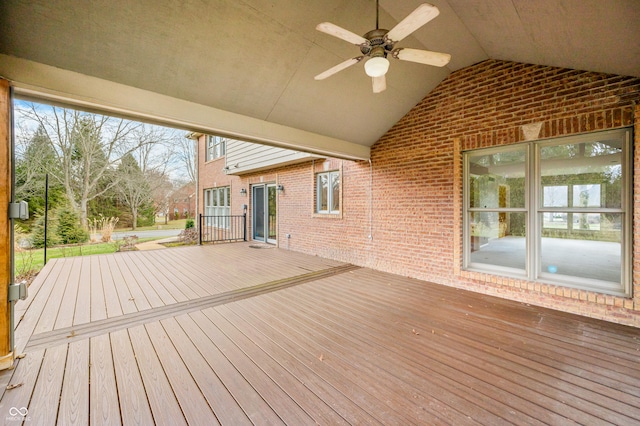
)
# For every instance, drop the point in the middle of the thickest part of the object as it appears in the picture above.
(214, 229)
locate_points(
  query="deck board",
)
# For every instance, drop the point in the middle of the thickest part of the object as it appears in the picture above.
(234, 335)
(249, 400)
(224, 406)
(360, 360)
(74, 400)
(45, 400)
(276, 375)
(24, 377)
(97, 305)
(262, 335)
(188, 394)
(139, 285)
(522, 342)
(68, 300)
(159, 391)
(113, 306)
(132, 396)
(445, 353)
(122, 292)
(134, 282)
(52, 305)
(105, 409)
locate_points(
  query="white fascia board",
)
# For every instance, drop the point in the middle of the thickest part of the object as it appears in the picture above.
(50, 84)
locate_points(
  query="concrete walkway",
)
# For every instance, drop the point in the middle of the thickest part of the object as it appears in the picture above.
(155, 245)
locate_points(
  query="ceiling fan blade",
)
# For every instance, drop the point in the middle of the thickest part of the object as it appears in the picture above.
(338, 68)
(426, 57)
(423, 14)
(336, 31)
(379, 84)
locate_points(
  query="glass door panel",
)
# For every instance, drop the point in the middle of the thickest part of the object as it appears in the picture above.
(258, 212)
(271, 214)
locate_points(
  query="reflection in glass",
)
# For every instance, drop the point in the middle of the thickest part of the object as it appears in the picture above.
(497, 180)
(578, 181)
(555, 196)
(555, 220)
(323, 192)
(272, 219)
(590, 173)
(335, 195)
(498, 238)
(598, 255)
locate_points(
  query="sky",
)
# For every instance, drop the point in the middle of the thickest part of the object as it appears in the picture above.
(24, 128)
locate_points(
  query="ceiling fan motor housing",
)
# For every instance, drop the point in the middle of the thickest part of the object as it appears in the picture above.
(378, 45)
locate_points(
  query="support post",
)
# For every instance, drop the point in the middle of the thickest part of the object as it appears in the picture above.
(6, 351)
(199, 229)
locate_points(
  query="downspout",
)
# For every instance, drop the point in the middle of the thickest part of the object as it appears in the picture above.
(370, 200)
(197, 176)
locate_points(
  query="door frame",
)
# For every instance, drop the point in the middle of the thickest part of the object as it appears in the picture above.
(267, 218)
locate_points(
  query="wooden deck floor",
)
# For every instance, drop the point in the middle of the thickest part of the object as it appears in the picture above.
(235, 335)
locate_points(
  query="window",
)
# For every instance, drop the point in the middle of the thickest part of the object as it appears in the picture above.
(216, 147)
(328, 192)
(217, 207)
(556, 211)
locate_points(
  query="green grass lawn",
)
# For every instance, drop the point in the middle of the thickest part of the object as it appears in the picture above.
(29, 262)
(172, 224)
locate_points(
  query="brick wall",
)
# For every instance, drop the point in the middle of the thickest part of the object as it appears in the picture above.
(402, 213)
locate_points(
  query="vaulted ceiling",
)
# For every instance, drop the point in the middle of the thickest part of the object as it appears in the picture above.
(245, 68)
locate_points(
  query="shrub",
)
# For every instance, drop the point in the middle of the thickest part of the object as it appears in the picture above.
(104, 226)
(189, 236)
(189, 224)
(69, 229)
(37, 234)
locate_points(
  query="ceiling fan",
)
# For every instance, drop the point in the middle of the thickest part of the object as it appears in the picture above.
(378, 43)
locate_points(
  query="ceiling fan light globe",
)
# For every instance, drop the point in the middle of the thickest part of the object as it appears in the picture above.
(376, 67)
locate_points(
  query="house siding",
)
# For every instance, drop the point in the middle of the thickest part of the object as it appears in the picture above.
(244, 157)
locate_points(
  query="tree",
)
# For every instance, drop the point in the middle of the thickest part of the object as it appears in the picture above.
(162, 191)
(144, 170)
(35, 158)
(133, 188)
(184, 155)
(85, 147)
(68, 227)
(37, 235)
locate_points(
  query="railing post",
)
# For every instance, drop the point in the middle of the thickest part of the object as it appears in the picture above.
(244, 230)
(199, 229)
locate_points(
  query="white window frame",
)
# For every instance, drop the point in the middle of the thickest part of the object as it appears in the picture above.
(535, 213)
(330, 195)
(217, 206)
(216, 147)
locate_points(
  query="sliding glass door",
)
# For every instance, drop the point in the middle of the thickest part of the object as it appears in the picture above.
(264, 213)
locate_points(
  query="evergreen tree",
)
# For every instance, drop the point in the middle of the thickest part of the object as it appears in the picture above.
(68, 229)
(34, 161)
(37, 231)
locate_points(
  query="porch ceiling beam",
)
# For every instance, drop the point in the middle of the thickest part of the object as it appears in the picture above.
(35, 81)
